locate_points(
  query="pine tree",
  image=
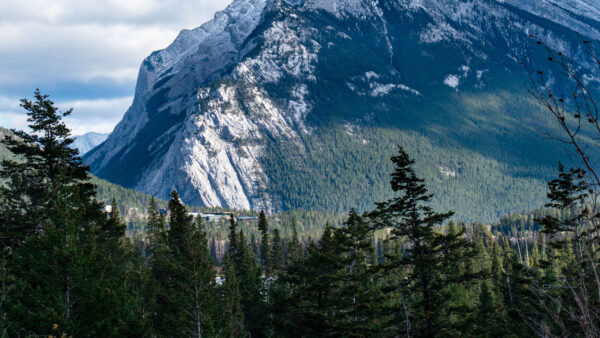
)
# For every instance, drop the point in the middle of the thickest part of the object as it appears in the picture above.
(179, 223)
(265, 246)
(303, 296)
(233, 239)
(359, 297)
(295, 250)
(277, 251)
(155, 229)
(232, 313)
(70, 276)
(115, 227)
(431, 258)
(332, 291)
(186, 275)
(49, 169)
(249, 277)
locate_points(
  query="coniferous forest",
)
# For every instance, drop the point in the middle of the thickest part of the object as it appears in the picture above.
(68, 268)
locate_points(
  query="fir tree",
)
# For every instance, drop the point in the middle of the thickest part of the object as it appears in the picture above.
(233, 239)
(249, 277)
(186, 276)
(115, 227)
(70, 276)
(265, 246)
(294, 249)
(233, 315)
(431, 258)
(277, 251)
(156, 231)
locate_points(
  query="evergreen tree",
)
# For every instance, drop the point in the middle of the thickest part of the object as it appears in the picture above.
(70, 275)
(249, 277)
(186, 274)
(233, 315)
(115, 227)
(233, 239)
(303, 297)
(49, 168)
(331, 292)
(431, 258)
(294, 249)
(277, 251)
(180, 223)
(359, 297)
(156, 230)
(265, 246)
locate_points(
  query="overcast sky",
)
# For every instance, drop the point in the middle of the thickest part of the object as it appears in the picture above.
(85, 53)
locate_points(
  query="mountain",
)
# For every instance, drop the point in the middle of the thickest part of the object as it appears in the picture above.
(132, 203)
(282, 105)
(88, 141)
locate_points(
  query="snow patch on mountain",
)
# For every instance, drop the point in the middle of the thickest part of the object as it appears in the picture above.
(452, 81)
(565, 13)
(440, 32)
(378, 89)
(245, 77)
(88, 141)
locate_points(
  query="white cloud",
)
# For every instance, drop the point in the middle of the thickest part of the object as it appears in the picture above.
(176, 13)
(31, 52)
(99, 115)
(87, 52)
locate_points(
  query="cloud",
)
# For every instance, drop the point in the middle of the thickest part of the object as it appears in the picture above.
(99, 115)
(175, 13)
(86, 52)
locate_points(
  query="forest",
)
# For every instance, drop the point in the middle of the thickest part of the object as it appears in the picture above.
(402, 268)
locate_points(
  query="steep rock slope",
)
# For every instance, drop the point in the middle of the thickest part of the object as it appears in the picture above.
(297, 104)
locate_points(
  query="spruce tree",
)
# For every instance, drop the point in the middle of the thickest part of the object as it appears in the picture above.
(186, 275)
(155, 229)
(357, 310)
(180, 223)
(115, 227)
(430, 257)
(249, 277)
(294, 249)
(277, 252)
(232, 322)
(265, 244)
(70, 276)
(233, 239)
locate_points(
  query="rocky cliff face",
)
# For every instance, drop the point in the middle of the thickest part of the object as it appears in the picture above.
(209, 108)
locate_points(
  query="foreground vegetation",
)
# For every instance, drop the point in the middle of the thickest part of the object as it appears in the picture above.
(67, 267)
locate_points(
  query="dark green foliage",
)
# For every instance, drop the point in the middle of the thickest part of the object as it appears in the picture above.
(66, 266)
(248, 274)
(265, 246)
(233, 320)
(433, 260)
(276, 251)
(115, 227)
(65, 256)
(331, 292)
(187, 299)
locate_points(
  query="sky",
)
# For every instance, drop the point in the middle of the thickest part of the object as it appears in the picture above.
(85, 54)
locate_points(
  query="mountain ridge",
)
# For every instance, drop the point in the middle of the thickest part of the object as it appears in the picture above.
(88, 141)
(232, 110)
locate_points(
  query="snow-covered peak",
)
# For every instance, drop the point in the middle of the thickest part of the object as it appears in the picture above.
(88, 141)
(232, 25)
(342, 7)
(567, 13)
